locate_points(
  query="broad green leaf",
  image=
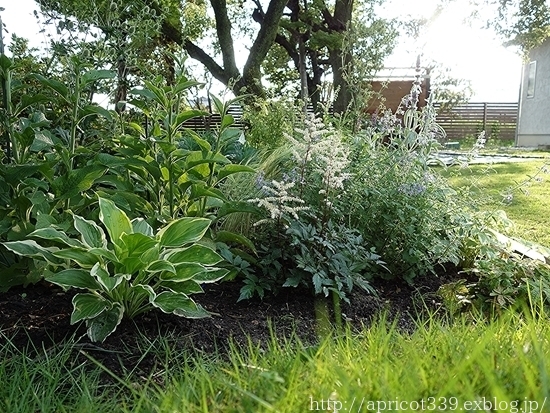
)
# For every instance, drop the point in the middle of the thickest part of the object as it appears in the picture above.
(30, 248)
(53, 234)
(229, 237)
(142, 227)
(101, 326)
(53, 84)
(105, 253)
(148, 289)
(188, 114)
(196, 158)
(232, 207)
(104, 278)
(115, 220)
(191, 310)
(94, 75)
(210, 275)
(86, 305)
(81, 256)
(75, 278)
(92, 234)
(200, 190)
(184, 272)
(77, 181)
(233, 169)
(137, 243)
(89, 110)
(227, 121)
(161, 265)
(179, 304)
(184, 84)
(197, 254)
(203, 143)
(5, 62)
(185, 287)
(183, 231)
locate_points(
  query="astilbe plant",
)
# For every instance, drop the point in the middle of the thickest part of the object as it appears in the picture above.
(131, 271)
(326, 255)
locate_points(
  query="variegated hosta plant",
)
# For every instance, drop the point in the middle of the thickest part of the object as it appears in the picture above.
(128, 272)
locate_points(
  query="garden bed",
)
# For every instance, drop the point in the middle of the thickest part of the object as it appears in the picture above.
(39, 316)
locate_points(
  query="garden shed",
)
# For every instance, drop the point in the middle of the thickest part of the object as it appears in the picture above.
(534, 101)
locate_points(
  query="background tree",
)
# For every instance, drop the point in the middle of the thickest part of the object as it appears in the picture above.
(521, 23)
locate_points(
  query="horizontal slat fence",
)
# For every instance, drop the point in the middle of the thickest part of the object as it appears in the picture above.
(498, 120)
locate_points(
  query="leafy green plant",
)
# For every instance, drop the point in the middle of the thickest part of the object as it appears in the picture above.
(301, 210)
(174, 169)
(129, 272)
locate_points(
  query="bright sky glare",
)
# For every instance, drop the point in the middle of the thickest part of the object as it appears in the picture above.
(471, 53)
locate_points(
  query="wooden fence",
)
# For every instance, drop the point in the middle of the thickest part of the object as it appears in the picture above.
(498, 120)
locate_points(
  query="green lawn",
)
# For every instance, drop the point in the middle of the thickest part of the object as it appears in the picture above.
(444, 366)
(526, 182)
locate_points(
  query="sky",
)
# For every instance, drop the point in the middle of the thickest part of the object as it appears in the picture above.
(468, 51)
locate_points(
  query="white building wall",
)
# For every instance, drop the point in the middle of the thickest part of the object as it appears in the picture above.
(534, 111)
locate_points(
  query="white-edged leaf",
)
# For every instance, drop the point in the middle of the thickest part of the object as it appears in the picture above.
(87, 306)
(179, 304)
(30, 248)
(115, 220)
(210, 275)
(195, 253)
(81, 256)
(142, 227)
(53, 234)
(101, 326)
(184, 272)
(92, 234)
(161, 265)
(75, 278)
(183, 231)
(108, 282)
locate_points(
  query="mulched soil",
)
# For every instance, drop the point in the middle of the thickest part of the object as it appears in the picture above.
(39, 317)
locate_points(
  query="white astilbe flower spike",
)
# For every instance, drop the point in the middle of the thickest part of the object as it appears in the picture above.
(278, 201)
(322, 150)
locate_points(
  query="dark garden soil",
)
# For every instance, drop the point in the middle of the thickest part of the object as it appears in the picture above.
(39, 317)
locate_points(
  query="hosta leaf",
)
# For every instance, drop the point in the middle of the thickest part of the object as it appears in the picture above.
(142, 227)
(105, 253)
(30, 248)
(179, 304)
(185, 287)
(53, 234)
(92, 234)
(75, 278)
(101, 326)
(148, 289)
(161, 265)
(87, 305)
(79, 255)
(136, 244)
(191, 310)
(184, 272)
(183, 231)
(196, 253)
(115, 220)
(104, 278)
(210, 275)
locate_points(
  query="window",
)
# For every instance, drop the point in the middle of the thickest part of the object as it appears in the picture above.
(532, 72)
